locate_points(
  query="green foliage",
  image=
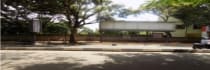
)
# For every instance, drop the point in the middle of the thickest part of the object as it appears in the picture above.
(86, 31)
(14, 17)
(196, 12)
(115, 33)
(77, 12)
(199, 15)
(161, 8)
(189, 11)
(55, 28)
(14, 28)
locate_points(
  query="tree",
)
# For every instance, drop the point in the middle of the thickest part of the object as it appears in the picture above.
(198, 15)
(174, 8)
(160, 8)
(185, 10)
(14, 17)
(77, 12)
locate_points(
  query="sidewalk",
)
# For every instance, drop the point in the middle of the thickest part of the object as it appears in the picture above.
(112, 46)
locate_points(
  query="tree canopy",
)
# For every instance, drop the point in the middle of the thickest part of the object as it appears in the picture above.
(14, 17)
(189, 11)
(77, 12)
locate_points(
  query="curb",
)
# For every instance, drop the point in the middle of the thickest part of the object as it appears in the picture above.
(108, 49)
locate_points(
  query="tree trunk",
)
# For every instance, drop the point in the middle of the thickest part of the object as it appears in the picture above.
(72, 39)
(186, 29)
(168, 34)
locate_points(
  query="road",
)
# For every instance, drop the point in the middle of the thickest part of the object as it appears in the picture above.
(92, 60)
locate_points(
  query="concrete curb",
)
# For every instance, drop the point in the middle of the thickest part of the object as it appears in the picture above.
(107, 49)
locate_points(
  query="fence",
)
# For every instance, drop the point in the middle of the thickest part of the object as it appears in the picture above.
(96, 38)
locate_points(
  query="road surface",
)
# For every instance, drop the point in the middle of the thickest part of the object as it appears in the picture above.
(92, 60)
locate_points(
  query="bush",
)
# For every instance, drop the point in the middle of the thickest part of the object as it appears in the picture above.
(56, 28)
(15, 28)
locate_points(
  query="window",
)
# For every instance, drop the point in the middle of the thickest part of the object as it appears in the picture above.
(180, 26)
(196, 27)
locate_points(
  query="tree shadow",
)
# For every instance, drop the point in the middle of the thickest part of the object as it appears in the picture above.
(155, 62)
(46, 44)
(134, 62)
(50, 66)
(179, 44)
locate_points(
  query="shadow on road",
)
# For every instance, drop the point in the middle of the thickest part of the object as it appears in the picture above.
(134, 62)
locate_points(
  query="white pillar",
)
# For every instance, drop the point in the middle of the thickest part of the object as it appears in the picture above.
(36, 25)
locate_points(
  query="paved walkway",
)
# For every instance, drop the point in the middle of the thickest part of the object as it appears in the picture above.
(116, 45)
(111, 46)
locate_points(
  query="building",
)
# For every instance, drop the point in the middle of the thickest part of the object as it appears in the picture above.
(173, 26)
(191, 31)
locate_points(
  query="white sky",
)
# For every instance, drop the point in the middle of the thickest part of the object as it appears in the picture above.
(134, 4)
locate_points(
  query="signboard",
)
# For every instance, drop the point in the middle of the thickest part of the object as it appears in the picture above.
(36, 25)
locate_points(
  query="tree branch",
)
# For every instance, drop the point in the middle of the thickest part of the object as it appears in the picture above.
(88, 16)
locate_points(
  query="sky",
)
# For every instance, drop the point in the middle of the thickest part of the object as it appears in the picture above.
(134, 4)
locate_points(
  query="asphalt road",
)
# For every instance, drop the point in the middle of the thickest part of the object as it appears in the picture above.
(90, 60)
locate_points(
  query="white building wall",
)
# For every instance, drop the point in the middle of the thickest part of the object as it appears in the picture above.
(133, 25)
(128, 25)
